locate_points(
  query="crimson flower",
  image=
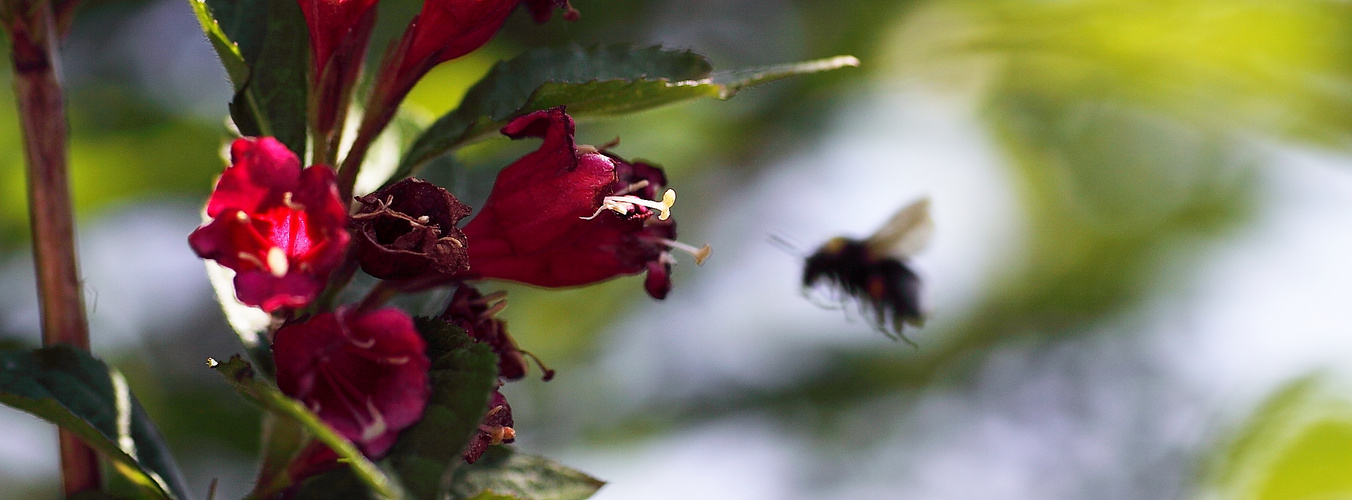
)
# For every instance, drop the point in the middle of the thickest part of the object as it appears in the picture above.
(280, 228)
(364, 374)
(568, 215)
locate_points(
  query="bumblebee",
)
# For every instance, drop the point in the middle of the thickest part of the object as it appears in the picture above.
(874, 272)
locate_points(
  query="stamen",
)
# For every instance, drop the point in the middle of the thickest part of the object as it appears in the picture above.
(700, 253)
(252, 259)
(492, 297)
(494, 309)
(286, 200)
(548, 372)
(587, 149)
(624, 205)
(241, 216)
(377, 425)
(423, 219)
(633, 187)
(277, 264)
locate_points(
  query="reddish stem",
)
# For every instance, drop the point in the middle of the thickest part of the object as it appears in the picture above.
(42, 118)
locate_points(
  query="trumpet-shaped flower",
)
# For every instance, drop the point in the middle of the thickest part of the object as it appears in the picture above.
(364, 374)
(569, 215)
(279, 227)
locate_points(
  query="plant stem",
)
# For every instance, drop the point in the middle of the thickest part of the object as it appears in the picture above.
(42, 118)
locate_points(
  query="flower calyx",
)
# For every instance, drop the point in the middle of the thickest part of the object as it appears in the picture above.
(476, 314)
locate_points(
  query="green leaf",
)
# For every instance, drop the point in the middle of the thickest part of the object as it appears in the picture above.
(1294, 445)
(283, 439)
(488, 495)
(243, 22)
(273, 100)
(264, 47)
(504, 473)
(226, 48)
(72, 389)
(462, 376)
(598, 81)
(240, 375)
(335, 484)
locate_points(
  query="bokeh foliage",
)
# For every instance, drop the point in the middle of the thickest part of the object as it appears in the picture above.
(1132, 130)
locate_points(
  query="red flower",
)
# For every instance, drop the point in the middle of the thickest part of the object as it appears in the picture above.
(279, 227)
(365, 375)
(568, 215)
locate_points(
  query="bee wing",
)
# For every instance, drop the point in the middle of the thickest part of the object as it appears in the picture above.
(906, 233)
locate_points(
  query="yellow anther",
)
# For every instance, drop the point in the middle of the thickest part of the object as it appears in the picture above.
(700, 254)
(668, 199)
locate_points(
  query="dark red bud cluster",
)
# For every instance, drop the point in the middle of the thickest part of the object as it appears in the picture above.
(408, 230)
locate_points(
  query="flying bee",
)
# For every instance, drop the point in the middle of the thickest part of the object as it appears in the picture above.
(873, 271)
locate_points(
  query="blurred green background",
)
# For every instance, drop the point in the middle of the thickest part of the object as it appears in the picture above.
(1138, 284)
